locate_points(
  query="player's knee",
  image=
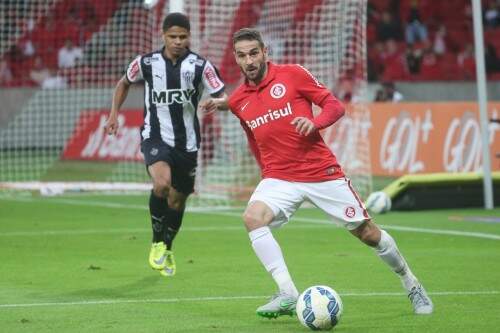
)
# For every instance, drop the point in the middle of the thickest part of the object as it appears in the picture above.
(252, 220)
(161, 186)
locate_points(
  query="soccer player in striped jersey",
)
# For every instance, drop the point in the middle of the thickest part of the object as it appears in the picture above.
(174, 79)
(274, 106)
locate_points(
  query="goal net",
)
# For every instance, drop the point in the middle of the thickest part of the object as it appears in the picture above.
(51, 134)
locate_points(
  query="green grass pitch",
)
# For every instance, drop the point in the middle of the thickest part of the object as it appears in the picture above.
(79, 264)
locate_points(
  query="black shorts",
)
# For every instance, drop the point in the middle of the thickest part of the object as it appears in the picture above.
(182, 163)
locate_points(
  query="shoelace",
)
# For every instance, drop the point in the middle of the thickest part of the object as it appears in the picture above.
(275, 296)
(417, 296)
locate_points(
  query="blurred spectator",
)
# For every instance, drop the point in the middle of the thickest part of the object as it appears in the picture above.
(413, 59)
(415, 28)
(39, 72)
(372, 13)
(46, 41)
(69, 55)
(375, 62)
(70, 27)
(492, 62)
(393, 62)
(26, 41)
(430, 68)
(5, 73)
(440, 40)
(492, 15)
(388, 27)
(344, 88)
(27, 46)
(466, 61)
(388, 93)
(54, 81)
(90, 24)
(15, 59)
(390, 51)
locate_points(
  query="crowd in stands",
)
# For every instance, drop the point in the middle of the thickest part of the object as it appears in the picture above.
(428, 40)
(49, 41)
(408, 40)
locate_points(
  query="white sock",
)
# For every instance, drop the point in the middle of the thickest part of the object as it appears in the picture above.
(269, 253)
(388, 251)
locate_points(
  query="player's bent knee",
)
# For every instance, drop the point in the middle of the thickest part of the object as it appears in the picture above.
(253, 221)
(368, 233)
(161, 187)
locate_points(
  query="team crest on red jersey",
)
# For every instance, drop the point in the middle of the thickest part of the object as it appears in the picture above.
(350, 212)
(278, 90)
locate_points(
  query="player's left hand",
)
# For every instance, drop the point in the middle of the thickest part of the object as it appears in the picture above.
(209, 106)
(215, 103)
(303, 125)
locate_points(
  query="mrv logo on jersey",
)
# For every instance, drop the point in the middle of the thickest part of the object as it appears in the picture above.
(171, 96)
(269, 116)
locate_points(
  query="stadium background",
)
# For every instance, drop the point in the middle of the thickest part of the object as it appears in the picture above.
(421, 49)
(75, 260)
(47, 133)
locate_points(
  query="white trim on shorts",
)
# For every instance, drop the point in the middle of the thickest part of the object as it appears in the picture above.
(337, 198)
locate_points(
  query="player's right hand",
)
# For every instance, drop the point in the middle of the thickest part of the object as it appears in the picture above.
(111, 126)
(303, 126)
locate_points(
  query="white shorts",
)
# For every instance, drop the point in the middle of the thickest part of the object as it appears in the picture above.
(336, 198)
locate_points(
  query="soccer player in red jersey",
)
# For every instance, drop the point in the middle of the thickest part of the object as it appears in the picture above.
(274, 106)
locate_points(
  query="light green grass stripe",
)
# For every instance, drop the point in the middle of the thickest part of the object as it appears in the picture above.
(234, 298)
(238, 215)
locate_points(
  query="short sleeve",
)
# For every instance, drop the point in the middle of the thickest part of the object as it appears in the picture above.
(134, 71)
(211, 80)
(309, 87)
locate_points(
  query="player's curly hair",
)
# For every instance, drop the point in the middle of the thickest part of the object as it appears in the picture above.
(248, 34)
(177, 19)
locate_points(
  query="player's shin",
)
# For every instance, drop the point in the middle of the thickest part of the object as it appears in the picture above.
(173, 221)
(157, 209)
(269, 253)
(388, 251)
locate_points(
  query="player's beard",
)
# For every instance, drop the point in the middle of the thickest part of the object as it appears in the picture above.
(259, 73)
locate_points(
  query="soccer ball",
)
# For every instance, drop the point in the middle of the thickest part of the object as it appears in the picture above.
(378, 202)
(319, 308)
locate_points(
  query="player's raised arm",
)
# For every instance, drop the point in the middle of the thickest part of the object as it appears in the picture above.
(119, 96)
(133, 74)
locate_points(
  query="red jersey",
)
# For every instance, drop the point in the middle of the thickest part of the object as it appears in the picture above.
(266, 111)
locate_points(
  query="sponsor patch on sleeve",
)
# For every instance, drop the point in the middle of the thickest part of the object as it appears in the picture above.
(211, 78)
(134, 70)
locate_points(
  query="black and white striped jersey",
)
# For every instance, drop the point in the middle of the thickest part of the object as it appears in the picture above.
(171, 96)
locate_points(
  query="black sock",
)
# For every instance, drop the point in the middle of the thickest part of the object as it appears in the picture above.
(158, 210)
(173, 223)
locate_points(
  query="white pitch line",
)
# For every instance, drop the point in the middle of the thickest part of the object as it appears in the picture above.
(105, 204)
(238, 215)
(132, 230)
(231, 298)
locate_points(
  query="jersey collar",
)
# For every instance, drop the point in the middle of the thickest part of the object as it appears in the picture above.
(271, 74)
(179, 60)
